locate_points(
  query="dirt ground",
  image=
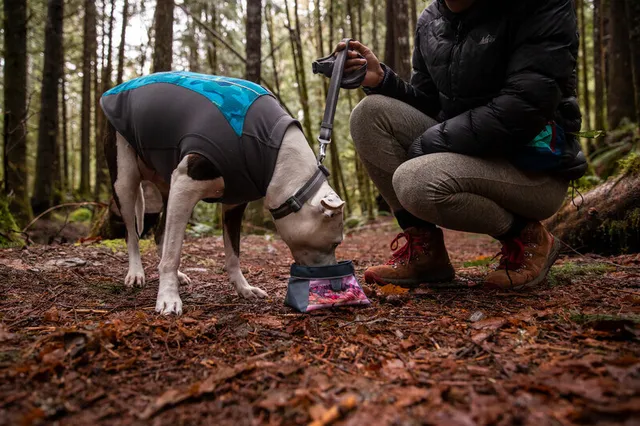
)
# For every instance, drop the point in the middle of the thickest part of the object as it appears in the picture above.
(78, 348)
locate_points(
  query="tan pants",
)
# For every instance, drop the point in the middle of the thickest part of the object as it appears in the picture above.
(454, 191)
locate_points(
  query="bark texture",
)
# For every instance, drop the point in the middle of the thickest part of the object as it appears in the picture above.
(46, 161)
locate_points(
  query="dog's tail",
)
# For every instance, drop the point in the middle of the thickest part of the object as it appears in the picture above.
(140, 211)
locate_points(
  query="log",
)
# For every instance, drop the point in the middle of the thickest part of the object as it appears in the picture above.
(608, 220)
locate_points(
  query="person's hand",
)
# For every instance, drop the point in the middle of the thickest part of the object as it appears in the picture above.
(375, 73)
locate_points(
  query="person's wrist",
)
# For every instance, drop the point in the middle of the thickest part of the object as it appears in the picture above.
(381, 74)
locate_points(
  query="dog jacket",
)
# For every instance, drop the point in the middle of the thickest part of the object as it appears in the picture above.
(235, 124)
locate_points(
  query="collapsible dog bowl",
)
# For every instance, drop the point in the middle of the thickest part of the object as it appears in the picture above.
(318, 287)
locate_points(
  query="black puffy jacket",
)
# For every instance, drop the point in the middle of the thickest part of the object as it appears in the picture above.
(494, 77)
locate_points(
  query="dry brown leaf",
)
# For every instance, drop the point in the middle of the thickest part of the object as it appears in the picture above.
(492, 323)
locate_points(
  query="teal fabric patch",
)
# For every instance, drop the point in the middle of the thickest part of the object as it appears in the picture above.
(232, 96)
(543, 139)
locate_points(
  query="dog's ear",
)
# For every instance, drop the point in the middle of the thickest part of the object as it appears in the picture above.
(331, 204)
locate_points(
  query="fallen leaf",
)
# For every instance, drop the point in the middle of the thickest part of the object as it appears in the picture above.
(52, 315)
(196, 390)
(492, 323)
(410, 395)
(395, 369)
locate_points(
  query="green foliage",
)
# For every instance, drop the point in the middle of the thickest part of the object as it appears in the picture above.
(202, 230)
(480, 261)
(564, 273)
(7, 225)
(630, 164)
(352, 222)
(620, 150)
(82, 214)
(622, 231)
(120, 245)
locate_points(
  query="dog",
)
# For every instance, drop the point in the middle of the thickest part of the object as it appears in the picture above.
(218, 139)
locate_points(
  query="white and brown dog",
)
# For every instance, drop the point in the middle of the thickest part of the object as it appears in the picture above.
(219, 139)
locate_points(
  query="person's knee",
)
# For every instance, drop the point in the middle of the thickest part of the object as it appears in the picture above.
(422, 187)
(366, 112)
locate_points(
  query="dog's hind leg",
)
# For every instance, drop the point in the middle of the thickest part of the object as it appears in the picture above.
(232, 219)
(130, 201)
(184, 193)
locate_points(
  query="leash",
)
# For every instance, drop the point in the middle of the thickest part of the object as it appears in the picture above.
(332, 101)
(295, 202)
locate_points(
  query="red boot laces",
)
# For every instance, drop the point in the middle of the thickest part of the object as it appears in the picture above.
(415, 243)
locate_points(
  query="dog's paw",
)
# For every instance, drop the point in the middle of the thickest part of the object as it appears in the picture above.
(169, 303)
(183, 279)
(135, 278)
(249, 292)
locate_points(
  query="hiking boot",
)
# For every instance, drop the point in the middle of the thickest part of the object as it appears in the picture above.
(422, 259)
(525, 260)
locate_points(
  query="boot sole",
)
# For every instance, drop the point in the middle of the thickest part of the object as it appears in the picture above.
(551, 259)
(407, 283)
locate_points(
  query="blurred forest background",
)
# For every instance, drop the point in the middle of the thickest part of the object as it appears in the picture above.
(59, 56)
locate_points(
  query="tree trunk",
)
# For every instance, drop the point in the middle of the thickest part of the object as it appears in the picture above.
(88, 55)
(212, 52)
(621, 102)
(254, 40)
(374, 27)
(43, 190)
(123, 34)
(390, 36)
(633, 12)
(304, 98)
(598, 74)
(272, 47)
(15, 109)
(413, 18)
(192, 43)
(255, 210)
(608, 222)
(163, 30)
(67, 185)
(403, 50)
(101, 187)
(299, 67)
(586, 98)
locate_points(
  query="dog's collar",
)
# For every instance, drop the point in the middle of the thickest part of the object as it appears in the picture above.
(304, 194)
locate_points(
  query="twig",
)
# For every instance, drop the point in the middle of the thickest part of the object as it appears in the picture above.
(86, 203)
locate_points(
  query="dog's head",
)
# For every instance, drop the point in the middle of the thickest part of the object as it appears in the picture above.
(316, 230)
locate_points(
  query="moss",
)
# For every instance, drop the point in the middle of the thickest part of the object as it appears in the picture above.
(623, 234)
(120, 245)
(82, 214)
(481, 261)
(561, 274)
(352, 222)
(630, 165)
(7, 225)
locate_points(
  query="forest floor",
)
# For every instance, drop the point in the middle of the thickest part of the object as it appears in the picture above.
(78, 348)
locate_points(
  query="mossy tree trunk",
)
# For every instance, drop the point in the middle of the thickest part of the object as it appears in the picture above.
(608, 221)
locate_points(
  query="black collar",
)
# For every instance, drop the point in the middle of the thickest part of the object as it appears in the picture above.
(304, 194)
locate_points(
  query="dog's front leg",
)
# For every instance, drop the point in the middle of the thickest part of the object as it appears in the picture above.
(232, 218)
(184, 193)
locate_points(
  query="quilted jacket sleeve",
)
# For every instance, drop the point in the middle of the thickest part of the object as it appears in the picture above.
(543, 56)
(421, 93)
